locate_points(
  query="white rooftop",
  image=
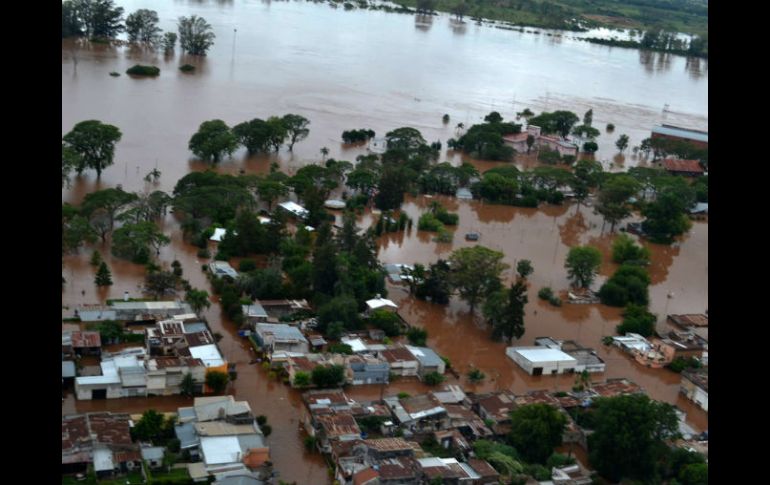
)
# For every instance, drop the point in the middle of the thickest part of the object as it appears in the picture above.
(376, 303)
(209, 354)
(356, 344)
(543, 354)
(219, 233)
(220, 449)
(294, 208)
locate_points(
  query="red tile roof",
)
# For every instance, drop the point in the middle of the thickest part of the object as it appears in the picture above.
(365, 476)
(675, 165)
(256, 457)
(86, 339)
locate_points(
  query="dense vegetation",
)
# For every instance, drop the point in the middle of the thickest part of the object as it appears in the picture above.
(690, 16)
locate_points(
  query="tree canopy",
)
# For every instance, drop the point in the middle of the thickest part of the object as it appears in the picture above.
(582, 265)
(475, 272)
(142, 26)
(195, 35)
(213, 140)
(536, 429)
(94, 144)
(628, 437)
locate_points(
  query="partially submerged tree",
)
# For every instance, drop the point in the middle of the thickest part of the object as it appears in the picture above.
(103, 275)
(198, 299)
(213, 140)
(94, 144)
(582, 265)
(476, 273)
(142, 26)
(195, 35)
(297, 129)
(504, 310)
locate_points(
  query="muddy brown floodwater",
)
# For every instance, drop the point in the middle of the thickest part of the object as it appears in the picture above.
(364, 69)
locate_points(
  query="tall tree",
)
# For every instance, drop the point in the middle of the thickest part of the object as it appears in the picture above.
(212, 140)
(588, 175)
(666, 217)
(622, 142)
(476, 273)
(169, 41)
(524, 268)
(71, 23)
(628, 436)
(149, 427)
(612, 201)
(112, 201)
(142, 26)
(100, 18)
(136, 241)
(158, 283)
(582, 264)
(588, 117)
(69, 161)
(536, 429)
(103, 275)
(75, 229)
(504, 310)
(94, 143)
(187, 386)
(198, 299)
(297, 129)
(195, 35)
(460, 9)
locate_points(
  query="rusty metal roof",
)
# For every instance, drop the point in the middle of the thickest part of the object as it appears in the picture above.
(616, 387)
(337, 425)
(690, 320)
(86, 339)
(676, 165)
(499, 404)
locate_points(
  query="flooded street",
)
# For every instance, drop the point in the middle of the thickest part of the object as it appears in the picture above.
(363, 69)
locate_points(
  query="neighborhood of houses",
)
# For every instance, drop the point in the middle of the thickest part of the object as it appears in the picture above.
(365, 443)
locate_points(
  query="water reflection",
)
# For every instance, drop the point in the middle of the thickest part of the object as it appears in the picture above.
(696, 67)
(423, 22)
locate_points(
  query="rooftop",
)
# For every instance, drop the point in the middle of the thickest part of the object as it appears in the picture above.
(376, 303)
(426, 356)
(294, 208)
(671, 130)
(699, 377)
(616, 387)
(86, 339)
(365, 476)
(220, 449)
(254, 310)
(281, 332)
(388, 444)
(676, 165)
(209, 354)
(498, 404)
(542, 354)
(690, 320)
(208, 408)
(397, 354)
(336, 425)
(196, 339)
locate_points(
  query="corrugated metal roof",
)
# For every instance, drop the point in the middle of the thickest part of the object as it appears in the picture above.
(681, 133)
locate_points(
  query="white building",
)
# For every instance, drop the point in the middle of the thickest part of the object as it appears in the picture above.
(380, 303)
(539, 360)
(294, 208)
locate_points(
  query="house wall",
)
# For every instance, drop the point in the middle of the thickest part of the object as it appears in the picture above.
(291, 347)
(695, 394)
(405, 368)
(548, 366)
(424, 370)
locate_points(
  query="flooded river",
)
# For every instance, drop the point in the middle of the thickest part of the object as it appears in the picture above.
(359, 69)
(345, 70)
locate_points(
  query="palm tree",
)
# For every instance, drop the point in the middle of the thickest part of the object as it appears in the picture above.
(324, 152)
(460, 127)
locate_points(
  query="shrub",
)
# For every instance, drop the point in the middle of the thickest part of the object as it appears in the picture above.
(628, 285)
(444, 236)
(610, 127)
(554, 300)
(433, 379)
(114, 74)
(448, 218)
(403, 395)
(247, 265)
(267, 430)
(204, 253)
(261, 419)
(417, 336)
(310, 443)
(341, 349)
(679, 364)
(545, 293)
(187, 68)
(636, 319)
(140, 70)
(429, 222)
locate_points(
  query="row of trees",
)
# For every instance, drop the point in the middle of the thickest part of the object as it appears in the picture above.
(214, 138)
(102, 19)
